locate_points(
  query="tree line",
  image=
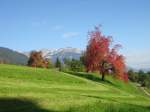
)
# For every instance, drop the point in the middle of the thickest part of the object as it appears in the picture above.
(141, 77)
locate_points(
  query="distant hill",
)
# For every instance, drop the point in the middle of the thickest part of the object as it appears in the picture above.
(12, 57)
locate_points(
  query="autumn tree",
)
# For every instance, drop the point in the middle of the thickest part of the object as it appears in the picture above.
(36, 60)
(100, 57)
(117, 63)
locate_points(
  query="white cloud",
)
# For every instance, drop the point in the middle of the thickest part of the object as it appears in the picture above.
(70, 34)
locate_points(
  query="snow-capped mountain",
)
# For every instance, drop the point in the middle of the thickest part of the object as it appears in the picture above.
(61, 53)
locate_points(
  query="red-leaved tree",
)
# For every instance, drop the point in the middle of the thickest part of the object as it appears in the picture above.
(117, 63)
(99, 56)
(36, 60)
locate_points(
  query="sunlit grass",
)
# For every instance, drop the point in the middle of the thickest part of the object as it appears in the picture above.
(52, 90)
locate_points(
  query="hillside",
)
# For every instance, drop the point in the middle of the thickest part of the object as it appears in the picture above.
(12, 57)
(25, 89)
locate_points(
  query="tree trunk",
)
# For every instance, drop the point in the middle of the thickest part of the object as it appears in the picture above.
(87, 70)
(103, 76)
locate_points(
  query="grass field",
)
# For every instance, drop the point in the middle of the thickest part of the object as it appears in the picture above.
(24, 89)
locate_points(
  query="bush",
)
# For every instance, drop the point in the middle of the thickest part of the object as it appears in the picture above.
(74, 65)
(132, 76)
(140, 77)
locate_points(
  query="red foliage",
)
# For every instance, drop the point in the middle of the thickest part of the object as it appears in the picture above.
(97, 49)
(117, 62)
(36, 60)
(125, 78)
(100, 57)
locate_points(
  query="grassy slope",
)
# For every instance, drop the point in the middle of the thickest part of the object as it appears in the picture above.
(24, 89)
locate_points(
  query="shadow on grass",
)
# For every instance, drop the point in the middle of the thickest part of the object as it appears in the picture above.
(24, 105)
(90, 77)
(20, 105)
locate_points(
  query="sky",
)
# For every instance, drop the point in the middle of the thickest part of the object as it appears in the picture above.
(34, 24)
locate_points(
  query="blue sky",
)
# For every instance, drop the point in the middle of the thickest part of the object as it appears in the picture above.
(34, 24)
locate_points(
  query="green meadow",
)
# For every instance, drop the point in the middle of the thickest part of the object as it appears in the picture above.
(25, 89)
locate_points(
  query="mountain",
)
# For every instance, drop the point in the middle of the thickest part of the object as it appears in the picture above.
(66, 53)
(61, 53)
(12, 57)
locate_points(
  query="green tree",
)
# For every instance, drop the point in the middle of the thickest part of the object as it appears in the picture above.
(147, 82)
(141, 78)
(58, 64)
(76, 65)
(148, 72)
(82, 59)
(67, 62)
(132, 76)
